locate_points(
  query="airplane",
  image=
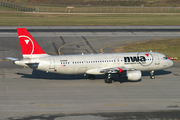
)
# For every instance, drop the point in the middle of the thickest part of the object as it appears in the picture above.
(126, 65)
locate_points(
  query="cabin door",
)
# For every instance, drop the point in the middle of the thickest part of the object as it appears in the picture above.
(52, 63)
(157, 61)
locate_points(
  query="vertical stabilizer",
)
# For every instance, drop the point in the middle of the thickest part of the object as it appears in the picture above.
(29, 47)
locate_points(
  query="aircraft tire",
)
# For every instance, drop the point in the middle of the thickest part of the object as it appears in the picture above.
(152, 77)
(106, 80)
(92, 77)
(109, 80)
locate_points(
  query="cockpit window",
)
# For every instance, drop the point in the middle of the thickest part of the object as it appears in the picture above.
(165, 58)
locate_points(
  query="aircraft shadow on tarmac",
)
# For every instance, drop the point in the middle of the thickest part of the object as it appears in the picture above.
(36, 74)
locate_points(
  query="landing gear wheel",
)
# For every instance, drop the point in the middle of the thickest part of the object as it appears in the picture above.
(91, 77)
(152, 77)
(152, 74)
(107, 80)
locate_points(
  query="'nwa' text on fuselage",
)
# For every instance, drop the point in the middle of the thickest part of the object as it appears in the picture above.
(135, 59)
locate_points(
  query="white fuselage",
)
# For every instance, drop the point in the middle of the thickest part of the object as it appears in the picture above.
(93, 63)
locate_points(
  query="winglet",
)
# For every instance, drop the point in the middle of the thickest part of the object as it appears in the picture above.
(29, 46)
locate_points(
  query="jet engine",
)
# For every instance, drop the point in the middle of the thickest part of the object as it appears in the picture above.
(131, 75)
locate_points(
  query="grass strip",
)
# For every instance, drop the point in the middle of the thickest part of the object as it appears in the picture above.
(6, 9)
(35, 19)
(169, 47)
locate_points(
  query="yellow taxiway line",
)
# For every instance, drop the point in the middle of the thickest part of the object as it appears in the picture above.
(59, 50)
(101, 50)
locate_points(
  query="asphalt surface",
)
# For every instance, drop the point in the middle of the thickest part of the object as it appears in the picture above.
(30, 94)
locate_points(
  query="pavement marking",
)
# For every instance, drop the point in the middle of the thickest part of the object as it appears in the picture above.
(101, 50)
(5, 60)
(82, 41)
(50, 52)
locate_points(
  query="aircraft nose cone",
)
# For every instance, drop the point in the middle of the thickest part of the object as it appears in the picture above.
(170, 63)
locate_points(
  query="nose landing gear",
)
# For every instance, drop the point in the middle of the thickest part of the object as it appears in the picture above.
(152, 74)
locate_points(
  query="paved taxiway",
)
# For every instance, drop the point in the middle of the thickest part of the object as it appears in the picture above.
(31, 94)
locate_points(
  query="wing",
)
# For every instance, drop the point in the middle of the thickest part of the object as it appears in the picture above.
(109, 70)
(115, 70)
(128, 73)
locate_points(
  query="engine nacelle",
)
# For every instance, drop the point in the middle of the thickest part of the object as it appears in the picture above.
(132, 75)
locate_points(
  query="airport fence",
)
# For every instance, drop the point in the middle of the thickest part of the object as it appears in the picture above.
(109, 9)
(89, 9)
(17, 7)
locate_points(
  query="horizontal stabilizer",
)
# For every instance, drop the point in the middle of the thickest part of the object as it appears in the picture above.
(13, 59)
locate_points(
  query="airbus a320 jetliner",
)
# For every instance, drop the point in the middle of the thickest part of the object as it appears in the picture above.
(126, 65)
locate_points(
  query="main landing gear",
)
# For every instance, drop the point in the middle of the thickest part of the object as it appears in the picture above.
(152, 74)
(108, 79)
(92, 77)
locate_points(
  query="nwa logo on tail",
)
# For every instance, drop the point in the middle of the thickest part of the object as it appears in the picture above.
(28, 44)
(145, 59)
(27, 41)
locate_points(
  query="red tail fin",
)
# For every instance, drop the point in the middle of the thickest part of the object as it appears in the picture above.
(29, 46)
